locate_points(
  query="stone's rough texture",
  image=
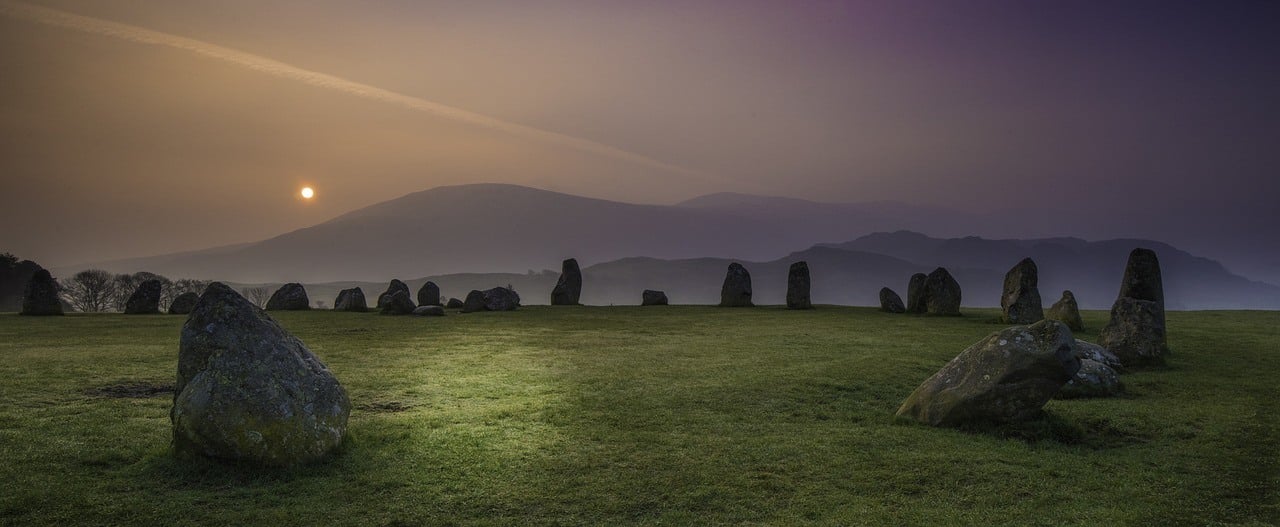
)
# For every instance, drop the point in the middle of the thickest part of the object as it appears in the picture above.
(736, 291)
(454, 303)
(290, 297)
(184, 303)
(474, 302)
(1136, 333)
(501, 299)
(40, 298)
(1005, 377)
(941, 293)
(429, 311)
(145, 300)
(798, 286)
(1142, 280)
(569, 288)
(396, 303)
(1020, 300)
(915, 293)
(1066, 311)
(890, 302)
(429, 294)
(653, 298)
(1086, 350)
(1094, 379)
(351, 300)
(250, 391)
(395, 287)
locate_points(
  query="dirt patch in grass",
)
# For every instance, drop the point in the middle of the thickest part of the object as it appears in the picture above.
(131, 390)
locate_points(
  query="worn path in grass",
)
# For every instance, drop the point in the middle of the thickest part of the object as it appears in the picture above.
(627, 415)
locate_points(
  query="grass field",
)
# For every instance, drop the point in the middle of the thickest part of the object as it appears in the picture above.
(625, 415)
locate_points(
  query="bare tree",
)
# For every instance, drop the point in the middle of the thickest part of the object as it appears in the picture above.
(258, 295)
(91, 290)
(320, 304)
(181, 287)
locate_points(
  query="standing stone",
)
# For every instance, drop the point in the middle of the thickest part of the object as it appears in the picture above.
(1020, 300)
(454, 303)
(429, 311)
(1136, 331)
(474, 302)
(393, 288)
(145, 300)
(653, 298)
(569, 287)
(396, 303)
(501, 299)
(250, 391)
(942, 293)
(184, 303)
(736, 291)
(290, 297)
(40, 298)
(890, 302)
(1066, 311)
(429, 294)
(351, 300)
(798, 286)
(915, 293)
(1006, 377)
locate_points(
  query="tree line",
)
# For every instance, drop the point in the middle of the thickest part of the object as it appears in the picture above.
(96, 290)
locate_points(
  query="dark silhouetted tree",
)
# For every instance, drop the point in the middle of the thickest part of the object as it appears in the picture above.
(91, 290)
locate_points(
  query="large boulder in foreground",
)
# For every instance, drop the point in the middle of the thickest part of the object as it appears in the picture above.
(501, 299)
(396, 303)
(290, 297)
(916, 294)
(649, 297)
(569, 287)
(396, 286)
(1136, 331)
(1066, 311)
(351, 300)
(184, 303)
(1007, 376)
(249, 391)
(890, 302)
(145, 300)
(1020, 300)
(429, 294)
(40, 298)
(941, 293)
(736, 290)
(798, 286)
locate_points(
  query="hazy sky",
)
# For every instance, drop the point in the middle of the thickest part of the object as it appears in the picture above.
(153, 126)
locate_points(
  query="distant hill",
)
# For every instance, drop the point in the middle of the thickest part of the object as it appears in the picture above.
(491, 228)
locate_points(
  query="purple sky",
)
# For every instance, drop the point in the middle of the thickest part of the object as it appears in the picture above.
(1159, 116)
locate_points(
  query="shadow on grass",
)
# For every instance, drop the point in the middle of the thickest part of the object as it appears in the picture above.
(1094, 433)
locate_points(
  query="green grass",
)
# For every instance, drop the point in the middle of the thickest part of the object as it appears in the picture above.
(627, 415)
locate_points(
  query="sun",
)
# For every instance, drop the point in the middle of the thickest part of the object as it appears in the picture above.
(308, 193)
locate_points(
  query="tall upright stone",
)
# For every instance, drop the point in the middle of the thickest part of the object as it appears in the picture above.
(798, 286)
(1020, 300)
(915, 293)
(351, 300)
(1066, 311)
(290, 297)
(40, 298)
(736, 290)
(650, 297)
(249, 391)
(396, 303)
(1136, 331)
(429, 294)
(942, 293)
(395, 286)
(890, 302)
(145, 300)
(568, 288)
